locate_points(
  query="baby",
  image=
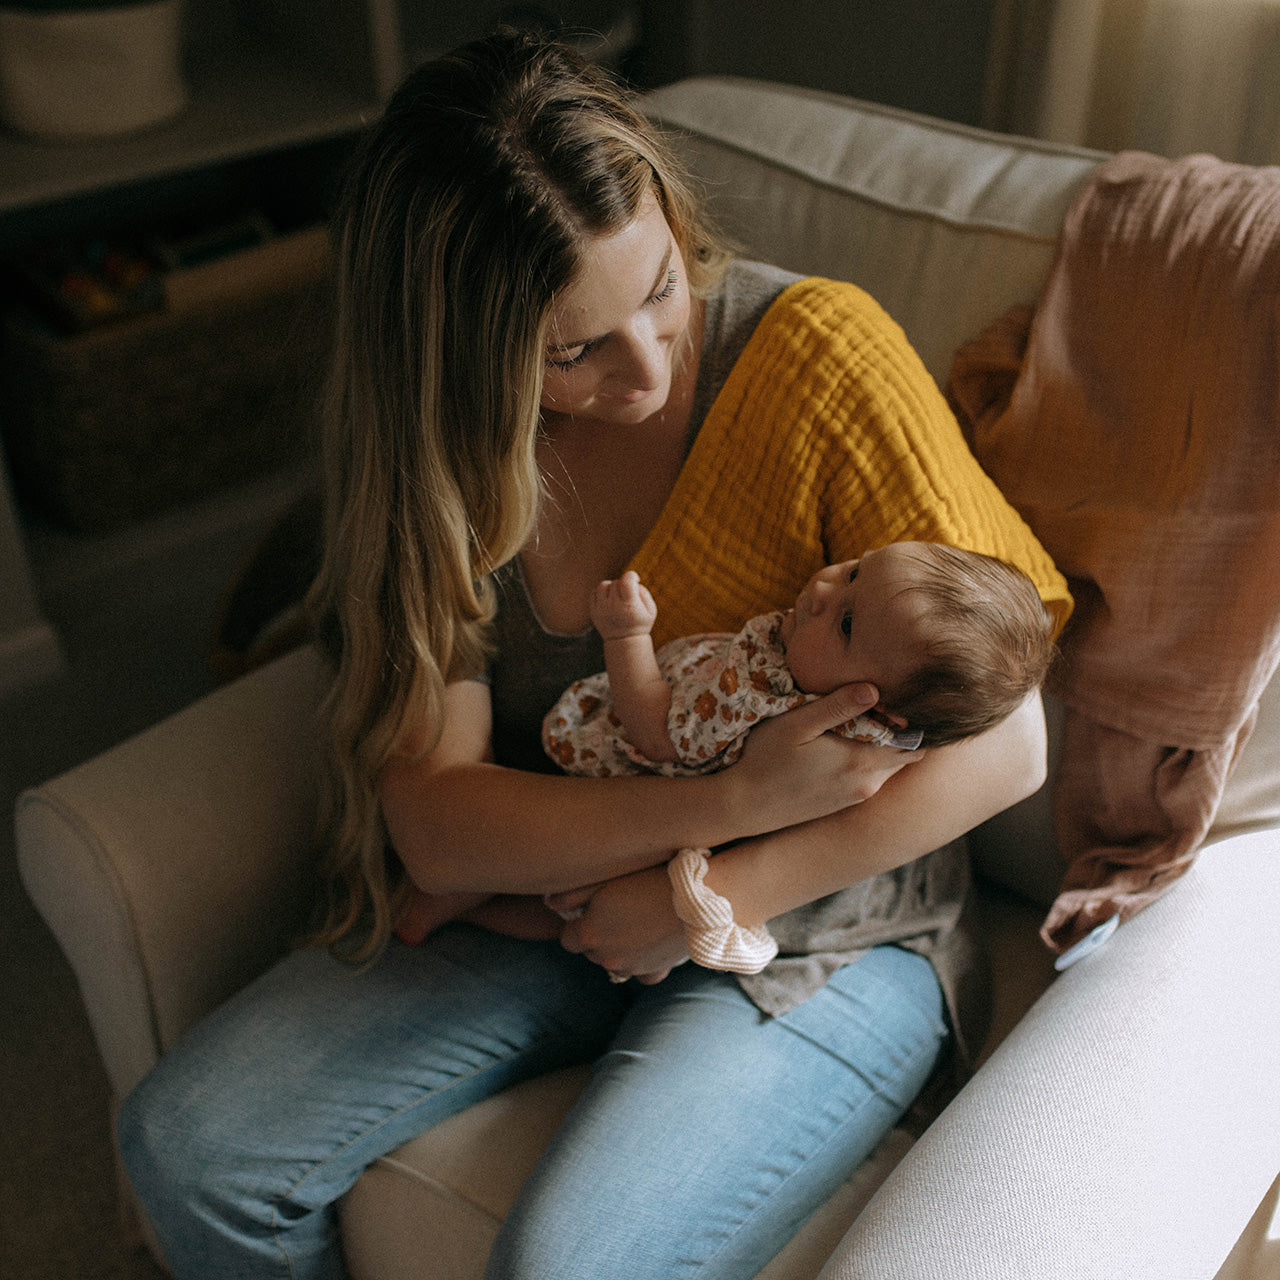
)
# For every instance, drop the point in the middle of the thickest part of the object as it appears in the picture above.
(952, 640)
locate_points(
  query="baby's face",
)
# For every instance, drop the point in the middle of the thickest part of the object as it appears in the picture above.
(857, 622)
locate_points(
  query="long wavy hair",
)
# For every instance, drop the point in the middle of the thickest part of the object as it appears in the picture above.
(464, 211)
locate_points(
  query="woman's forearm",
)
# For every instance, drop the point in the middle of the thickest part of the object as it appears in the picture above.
(463, 824)
(483, 827)
(950, 791)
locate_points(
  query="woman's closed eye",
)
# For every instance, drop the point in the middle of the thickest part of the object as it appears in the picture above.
(572, 362)
(667, 290)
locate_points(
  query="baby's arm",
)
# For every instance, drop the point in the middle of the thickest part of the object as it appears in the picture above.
(624, 613)
(424, 913)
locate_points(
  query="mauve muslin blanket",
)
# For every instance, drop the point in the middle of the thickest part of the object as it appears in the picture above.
(1133, 420)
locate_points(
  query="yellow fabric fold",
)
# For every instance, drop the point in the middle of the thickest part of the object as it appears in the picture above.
(828, 439)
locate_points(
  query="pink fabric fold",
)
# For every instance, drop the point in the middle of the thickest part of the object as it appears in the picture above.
(1133, 421)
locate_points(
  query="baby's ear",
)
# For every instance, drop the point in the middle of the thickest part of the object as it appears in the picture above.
(897, 721)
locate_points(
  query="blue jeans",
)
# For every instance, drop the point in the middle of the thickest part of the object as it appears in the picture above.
(707, 1135)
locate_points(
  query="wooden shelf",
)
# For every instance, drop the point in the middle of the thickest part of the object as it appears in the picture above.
(240, 105)
(266, 79)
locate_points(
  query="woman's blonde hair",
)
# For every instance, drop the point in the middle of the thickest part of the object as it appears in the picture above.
(464, 211)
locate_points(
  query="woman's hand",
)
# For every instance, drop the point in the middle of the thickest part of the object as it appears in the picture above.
(793, 770)
(628, 925)
(951, 791)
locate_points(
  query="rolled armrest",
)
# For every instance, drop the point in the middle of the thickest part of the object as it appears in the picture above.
(1127, 1126)
(174, 867)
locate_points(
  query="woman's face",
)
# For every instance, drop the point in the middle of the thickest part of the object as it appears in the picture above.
(615, 332)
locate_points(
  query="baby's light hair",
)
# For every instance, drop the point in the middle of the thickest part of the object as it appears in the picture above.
(988, 644)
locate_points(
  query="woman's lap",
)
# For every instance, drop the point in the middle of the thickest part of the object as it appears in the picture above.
(706, 1124)
(710, 1132)
(268, 1110)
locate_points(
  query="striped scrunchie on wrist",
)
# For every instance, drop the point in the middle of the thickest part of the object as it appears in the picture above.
(715, 941)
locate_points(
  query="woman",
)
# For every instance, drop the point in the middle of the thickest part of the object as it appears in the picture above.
(533, 323)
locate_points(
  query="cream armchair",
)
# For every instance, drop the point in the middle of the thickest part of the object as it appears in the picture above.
(1124, 1121)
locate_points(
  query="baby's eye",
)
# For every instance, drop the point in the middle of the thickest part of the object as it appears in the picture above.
(853, 573)
(846, 625)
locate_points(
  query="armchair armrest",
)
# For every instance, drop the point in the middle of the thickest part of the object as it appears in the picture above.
(174, 867)
(1126, 1127)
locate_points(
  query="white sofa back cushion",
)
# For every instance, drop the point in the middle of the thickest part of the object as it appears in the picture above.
(945, 226)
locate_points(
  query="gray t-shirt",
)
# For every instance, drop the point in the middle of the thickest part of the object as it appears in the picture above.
(917, 906)
(533, 666)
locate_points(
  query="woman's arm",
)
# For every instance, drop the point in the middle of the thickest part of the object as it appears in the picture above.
(461, 823)
(950, 791)
(630, 927)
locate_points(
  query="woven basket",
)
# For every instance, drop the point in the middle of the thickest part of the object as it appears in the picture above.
(116, 424)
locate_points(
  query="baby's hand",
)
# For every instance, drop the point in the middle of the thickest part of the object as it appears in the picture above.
(623, 607)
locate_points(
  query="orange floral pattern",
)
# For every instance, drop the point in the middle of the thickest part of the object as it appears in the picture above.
(722, 685)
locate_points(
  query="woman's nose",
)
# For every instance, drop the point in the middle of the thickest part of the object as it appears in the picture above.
(643, 358)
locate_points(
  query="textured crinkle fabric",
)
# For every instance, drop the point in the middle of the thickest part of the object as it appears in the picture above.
(716, 940)
(1134, 421)
(828, 439)
(722, 686)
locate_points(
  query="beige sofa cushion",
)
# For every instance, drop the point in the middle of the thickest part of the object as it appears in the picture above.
(1125, 1128)
(945, 226)
(466, 1172)
(1252, 796)
(131, 855)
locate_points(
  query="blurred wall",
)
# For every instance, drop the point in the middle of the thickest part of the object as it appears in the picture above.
(923, 55)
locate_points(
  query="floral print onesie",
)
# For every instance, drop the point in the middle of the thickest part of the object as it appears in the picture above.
(721, 686)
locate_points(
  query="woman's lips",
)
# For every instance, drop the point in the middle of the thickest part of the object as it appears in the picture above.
(626, 397)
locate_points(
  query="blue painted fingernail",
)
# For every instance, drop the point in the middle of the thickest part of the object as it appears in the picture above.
(1088, 944)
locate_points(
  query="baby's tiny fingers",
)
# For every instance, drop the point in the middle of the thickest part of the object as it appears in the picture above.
(571, 902)
(652, 979)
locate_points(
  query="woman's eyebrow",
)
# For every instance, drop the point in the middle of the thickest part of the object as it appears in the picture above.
(655, 288)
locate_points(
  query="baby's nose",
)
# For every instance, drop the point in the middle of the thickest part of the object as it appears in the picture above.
(818, 596)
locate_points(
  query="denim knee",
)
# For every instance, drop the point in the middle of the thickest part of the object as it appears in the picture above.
(148, 1150)
(171, 1170)
(211, 1204)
